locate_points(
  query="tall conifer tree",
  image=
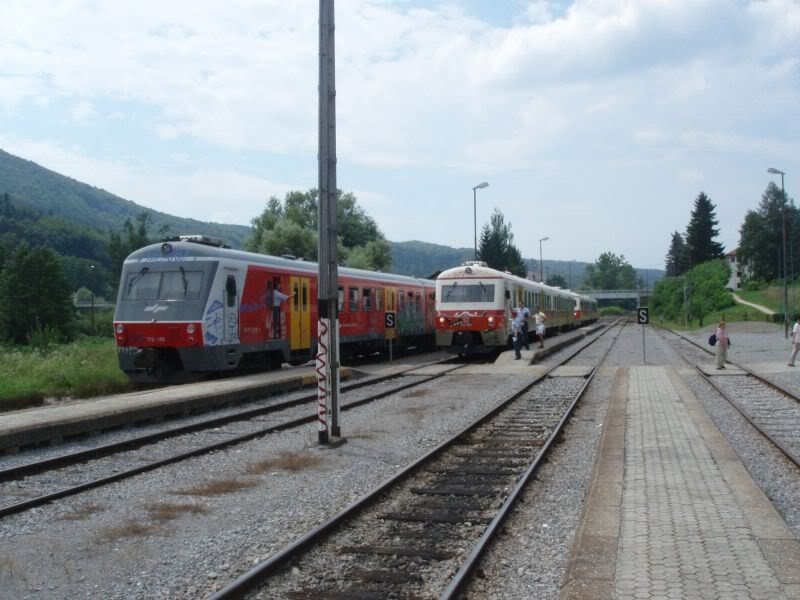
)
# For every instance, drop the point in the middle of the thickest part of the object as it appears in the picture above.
(701, 232)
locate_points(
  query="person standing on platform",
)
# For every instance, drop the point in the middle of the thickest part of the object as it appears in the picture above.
(516, 331)
(278, 297)
(795, 341)
(540, 318)
(526, 313)
(723, 342)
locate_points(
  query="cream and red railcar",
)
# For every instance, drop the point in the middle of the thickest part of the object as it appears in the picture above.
(190, 305)
(474, 307)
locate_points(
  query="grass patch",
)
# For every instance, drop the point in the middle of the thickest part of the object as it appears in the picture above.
(161, 512)
(81, 369)
(772, 297)
(83, 512)
(285, 461)
(217, 488)
(736, 313)
(128, 529)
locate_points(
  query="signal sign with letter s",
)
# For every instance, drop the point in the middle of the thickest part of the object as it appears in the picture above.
(389, 320)
(643, 315)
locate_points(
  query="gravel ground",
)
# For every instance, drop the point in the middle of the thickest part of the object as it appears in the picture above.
(186, 530)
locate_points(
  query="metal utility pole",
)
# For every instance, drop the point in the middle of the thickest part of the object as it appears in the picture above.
(327, 360)
(475, 189)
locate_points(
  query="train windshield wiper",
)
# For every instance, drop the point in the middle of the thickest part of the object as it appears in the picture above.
(483, 287)
(185, 281)
(136, 278)
(451, 290)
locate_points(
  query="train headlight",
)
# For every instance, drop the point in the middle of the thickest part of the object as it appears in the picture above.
(491, 320)
(120, 328)
(190, 328)
(442, 320)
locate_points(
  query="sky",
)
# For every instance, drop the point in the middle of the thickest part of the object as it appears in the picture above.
(596, 123)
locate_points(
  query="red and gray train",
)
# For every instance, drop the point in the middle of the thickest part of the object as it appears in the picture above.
(474, 307)
(191, 305)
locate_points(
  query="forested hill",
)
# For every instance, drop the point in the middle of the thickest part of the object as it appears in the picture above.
(50, 193)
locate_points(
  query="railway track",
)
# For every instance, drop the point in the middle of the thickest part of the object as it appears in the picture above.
(427, 527)
(49, 465)
(770, 408)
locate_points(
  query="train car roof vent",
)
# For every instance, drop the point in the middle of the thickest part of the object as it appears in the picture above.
(289, 256)
(205, 240)
(474, 263)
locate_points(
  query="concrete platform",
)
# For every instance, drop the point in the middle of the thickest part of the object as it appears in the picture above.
(53, 423)
(671, 511)
(551, 345)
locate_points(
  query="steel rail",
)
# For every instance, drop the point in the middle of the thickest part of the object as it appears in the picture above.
(132, 443)
(252, 578)
(462, 577)
(46, 498)
(780, 446)
(762, 378)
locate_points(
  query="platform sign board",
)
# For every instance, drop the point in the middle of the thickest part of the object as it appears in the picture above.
(389, 319)
(390, 327)
(643, 318)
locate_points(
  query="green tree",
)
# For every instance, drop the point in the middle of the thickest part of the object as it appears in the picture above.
(121, 245)
(701, 232)
(290, 227)
(677, 261)
(557, 280)
(698, 292)
(497, 247)
(761, 234)
(610, 272)
(34, 294)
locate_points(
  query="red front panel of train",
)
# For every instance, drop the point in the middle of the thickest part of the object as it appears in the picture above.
(159, 335)
(464, 320)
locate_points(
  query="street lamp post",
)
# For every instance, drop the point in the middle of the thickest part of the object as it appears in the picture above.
(92, 290)
(480, 186)
(541, 268)
(785, 288)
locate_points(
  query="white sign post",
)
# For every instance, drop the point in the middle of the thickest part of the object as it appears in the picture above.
(643, 318)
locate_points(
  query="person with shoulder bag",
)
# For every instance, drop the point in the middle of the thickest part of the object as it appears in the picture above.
(723, 342)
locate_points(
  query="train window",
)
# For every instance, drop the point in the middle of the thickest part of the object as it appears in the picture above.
(367, 299)
(401, 300)
(305, 296)
(230, 290)
(468, 292)
(142, 285)
(379, 300)
(341, 298)
(180, 285)
(353, 299)
(418, 302)
(296, 296)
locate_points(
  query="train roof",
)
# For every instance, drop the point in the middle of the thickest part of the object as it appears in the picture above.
(185, 250)
(481, 270)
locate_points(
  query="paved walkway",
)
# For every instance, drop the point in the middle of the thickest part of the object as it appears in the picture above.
(672, 512)
(758, 307)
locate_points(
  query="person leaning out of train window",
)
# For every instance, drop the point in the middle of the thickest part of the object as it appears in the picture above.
(723, 342)
(540, 318)
(278, 297)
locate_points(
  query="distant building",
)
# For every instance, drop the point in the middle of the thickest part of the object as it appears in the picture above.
(735, 281)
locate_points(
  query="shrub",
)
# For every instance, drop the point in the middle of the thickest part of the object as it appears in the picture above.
(612, 311)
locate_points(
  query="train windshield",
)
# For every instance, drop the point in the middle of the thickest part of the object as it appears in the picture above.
(458, 292)
(163, 285)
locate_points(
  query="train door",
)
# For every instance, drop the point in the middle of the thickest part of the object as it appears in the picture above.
(230, 307)
(299, 314)
(391, 306)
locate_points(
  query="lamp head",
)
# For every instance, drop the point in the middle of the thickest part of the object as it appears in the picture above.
(480, 186)
(775, 171)
(544, 239)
